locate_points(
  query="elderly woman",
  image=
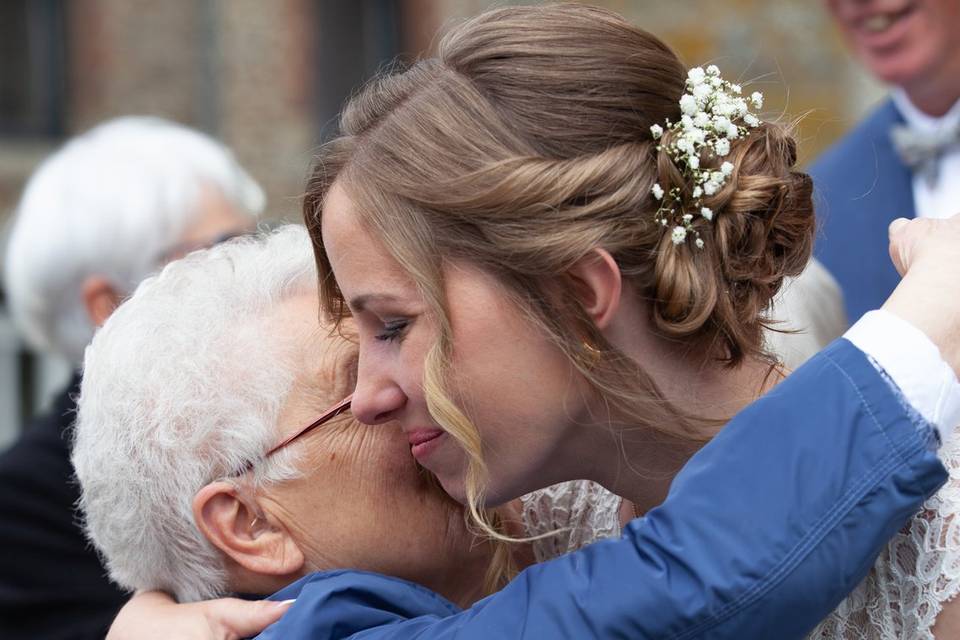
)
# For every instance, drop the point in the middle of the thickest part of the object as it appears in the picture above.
(187, 388)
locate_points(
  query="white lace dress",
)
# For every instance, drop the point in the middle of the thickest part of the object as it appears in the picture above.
(900, 599)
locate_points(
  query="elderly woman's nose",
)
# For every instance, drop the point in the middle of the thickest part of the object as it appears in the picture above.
(376, 398)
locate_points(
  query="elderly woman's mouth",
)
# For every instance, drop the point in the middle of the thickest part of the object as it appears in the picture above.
(423, 442)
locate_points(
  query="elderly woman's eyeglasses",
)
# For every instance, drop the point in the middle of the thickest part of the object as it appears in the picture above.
(326, 416)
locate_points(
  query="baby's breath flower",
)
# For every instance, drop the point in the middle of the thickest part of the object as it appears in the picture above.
(701, 92)
(712, 114)
(723, 108)
(696, 75)
(678, 235)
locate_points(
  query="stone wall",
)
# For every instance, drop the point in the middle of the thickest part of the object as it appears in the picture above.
(237, 69)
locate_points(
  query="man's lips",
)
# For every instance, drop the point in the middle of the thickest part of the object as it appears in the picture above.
(877, 22)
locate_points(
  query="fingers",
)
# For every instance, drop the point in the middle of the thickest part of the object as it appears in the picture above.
(896, 232)
(926, 251)
(898, 224)
(153, 614)
(234, 619)
(935, 242)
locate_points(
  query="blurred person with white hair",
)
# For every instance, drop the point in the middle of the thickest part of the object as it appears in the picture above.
(99, 215)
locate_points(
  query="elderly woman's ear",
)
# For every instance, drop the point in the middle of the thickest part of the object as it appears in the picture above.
(100, 299)
(252, 542)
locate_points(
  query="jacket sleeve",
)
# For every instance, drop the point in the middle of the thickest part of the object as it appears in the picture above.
(764, 531)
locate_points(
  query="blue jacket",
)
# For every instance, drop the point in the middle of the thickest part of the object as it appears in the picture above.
(764, 531)
(860, 187)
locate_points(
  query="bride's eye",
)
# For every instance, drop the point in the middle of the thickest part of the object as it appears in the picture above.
(393, 330)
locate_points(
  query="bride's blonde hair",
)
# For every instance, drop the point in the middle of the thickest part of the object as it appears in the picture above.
(524, 145)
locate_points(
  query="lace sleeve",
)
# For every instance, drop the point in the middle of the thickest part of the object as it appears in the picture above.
(579, 512)
(914, 576)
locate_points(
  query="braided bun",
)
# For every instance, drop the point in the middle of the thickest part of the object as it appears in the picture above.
(761, 233)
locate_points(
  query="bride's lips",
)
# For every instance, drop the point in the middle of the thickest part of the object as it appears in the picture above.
(423, 442)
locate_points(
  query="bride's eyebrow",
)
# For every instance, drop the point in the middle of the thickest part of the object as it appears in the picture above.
(359, 303)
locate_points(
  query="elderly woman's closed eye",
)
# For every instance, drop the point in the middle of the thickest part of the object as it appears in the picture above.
(186, 390)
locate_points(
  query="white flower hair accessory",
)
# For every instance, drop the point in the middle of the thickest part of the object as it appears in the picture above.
(714, 113)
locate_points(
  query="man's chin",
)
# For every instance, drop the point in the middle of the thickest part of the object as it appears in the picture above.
(899, 68)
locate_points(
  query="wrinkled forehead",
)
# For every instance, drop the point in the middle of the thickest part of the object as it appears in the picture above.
(329, 361)
(322, 357)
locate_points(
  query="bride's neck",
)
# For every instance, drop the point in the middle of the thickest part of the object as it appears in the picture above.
(649, 458)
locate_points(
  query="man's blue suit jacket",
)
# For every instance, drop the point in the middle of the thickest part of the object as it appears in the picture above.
(764, 531)
(860, 187)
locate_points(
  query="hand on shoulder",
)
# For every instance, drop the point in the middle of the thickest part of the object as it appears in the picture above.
(155, 615)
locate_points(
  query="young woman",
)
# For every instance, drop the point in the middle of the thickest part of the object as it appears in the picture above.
(555, 277)
(501, 226)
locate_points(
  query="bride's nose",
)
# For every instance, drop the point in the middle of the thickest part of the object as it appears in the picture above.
(377, 397)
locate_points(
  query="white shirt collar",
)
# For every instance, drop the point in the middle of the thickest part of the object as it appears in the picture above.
(920, 121)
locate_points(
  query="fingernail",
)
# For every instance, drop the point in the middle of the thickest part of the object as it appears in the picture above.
(286, 603)
(896, 224)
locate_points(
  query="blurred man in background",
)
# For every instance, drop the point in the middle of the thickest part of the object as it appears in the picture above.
(99, 215)
(903, 160)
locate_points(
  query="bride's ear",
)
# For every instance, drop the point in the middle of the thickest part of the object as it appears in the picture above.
(598, 283)
(234, 523)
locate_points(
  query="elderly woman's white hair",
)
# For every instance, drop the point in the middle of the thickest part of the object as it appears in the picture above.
(182, 386)
(110, 203)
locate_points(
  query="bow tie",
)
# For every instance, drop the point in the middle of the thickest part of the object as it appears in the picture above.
(921, 151)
